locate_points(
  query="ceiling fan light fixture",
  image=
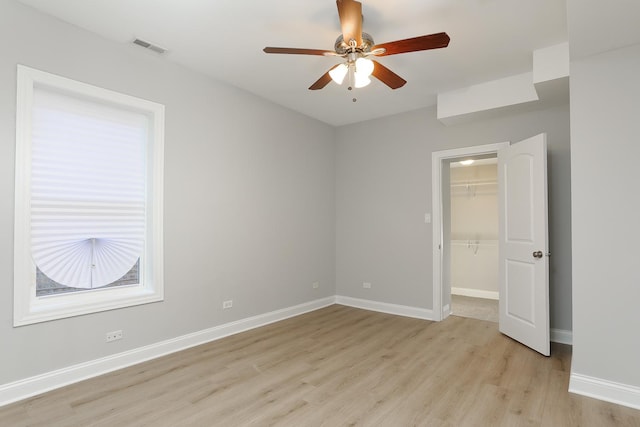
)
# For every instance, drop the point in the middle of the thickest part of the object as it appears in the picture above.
(364, 66)
(338, 73)
(361, 80)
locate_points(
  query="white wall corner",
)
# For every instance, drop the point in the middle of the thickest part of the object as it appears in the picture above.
(609, 391)
(383, 307)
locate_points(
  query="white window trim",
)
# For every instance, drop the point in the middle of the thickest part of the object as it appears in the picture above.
(28, 308)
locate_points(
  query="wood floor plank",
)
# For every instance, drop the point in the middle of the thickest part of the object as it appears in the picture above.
(337, 366)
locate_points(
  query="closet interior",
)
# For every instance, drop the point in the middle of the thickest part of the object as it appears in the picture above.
(474, 238)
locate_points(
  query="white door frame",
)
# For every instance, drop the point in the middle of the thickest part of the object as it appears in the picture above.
(437, 158)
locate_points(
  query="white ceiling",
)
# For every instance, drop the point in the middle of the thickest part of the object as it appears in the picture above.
(490, 39)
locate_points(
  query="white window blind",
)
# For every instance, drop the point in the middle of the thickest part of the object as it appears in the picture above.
(88, 189)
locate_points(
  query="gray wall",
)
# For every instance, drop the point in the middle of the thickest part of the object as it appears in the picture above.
(249, 198)
(605, 148)
(384, 190)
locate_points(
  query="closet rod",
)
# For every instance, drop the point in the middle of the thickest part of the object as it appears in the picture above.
(470, 183)
(474, 242)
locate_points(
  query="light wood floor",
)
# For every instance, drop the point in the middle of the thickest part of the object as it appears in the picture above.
(335, 367)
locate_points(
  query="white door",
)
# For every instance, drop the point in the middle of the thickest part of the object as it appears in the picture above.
(523, 242)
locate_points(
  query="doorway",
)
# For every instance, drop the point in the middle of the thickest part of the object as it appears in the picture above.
(473, 244)
(444, 236)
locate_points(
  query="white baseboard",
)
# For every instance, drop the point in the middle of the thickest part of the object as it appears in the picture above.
(32, 386)
(561, 336)
(383, 307)
(476, 293)
(608, 391)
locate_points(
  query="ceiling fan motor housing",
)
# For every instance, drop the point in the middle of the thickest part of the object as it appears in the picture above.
(343, 47)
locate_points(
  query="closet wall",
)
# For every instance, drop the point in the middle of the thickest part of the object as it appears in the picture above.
(474, 230)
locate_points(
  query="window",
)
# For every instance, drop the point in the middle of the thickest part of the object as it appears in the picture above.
(88, 215)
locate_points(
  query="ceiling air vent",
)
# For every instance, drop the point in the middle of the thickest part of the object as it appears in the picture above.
(150, 46)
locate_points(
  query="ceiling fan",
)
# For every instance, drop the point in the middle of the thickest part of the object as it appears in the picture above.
(356, 46)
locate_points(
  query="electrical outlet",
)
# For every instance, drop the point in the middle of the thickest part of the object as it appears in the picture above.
(114, 335)
(366, 285)
(315, 285)
(227, 304)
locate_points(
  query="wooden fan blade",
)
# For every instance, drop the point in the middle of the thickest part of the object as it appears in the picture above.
(322, 81)
(387, 76)
(296, 51)
(350, 13)
(432, 41)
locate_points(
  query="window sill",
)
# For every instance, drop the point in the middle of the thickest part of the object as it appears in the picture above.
(42, 309)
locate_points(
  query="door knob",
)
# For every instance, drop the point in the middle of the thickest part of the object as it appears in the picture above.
(537, 254)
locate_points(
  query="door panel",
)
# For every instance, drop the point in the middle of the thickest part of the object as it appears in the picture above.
(519, 172)
(518, 304)
(523, 232)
